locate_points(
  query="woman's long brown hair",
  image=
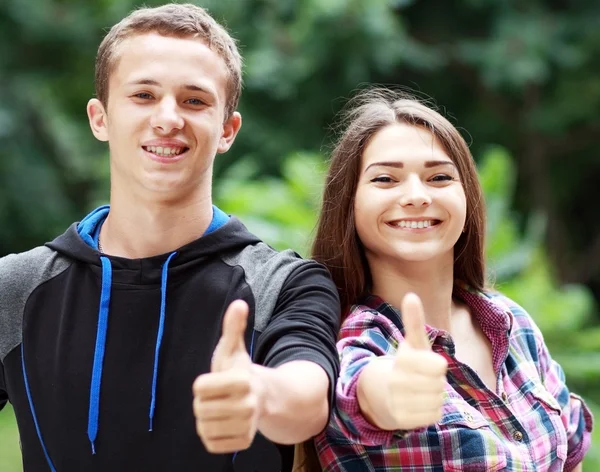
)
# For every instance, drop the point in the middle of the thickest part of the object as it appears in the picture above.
(336, 243)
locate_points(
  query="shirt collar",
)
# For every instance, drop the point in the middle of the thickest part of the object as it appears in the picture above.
(494, 317)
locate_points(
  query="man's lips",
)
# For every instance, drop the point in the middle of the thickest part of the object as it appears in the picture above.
(165, 151)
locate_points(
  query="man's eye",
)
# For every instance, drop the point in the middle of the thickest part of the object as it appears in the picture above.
(143, 95)
(194, 101)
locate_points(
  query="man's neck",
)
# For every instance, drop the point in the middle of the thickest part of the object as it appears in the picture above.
(432, 281)
(136, 230)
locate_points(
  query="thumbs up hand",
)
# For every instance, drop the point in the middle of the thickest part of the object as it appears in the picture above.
(418, 377)
(227, 401)
(231, 349)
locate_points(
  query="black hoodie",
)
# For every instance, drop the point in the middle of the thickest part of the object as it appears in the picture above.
(95, 351)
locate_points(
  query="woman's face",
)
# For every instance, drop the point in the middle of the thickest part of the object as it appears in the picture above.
(410, 205)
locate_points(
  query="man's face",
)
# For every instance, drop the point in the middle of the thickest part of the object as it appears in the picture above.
(164, 120)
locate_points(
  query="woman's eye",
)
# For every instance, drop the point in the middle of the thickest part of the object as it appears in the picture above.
(441, 177)
(384, 179)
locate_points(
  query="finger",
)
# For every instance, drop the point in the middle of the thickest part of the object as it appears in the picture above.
(224, 409)
(223, 446)
(232, 341)
(426, 363)
(424, 402)
(422, 418)
(222, 385)
(224, 429)
(413, 319)
(418, 384)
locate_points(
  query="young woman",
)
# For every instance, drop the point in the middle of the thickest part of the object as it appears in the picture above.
(439, 372)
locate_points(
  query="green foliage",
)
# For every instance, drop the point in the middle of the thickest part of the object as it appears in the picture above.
(10, 452)
(282, 210)
(525, 75)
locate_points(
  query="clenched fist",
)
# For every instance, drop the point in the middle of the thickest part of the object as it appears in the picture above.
(228, 400)
(416, 384)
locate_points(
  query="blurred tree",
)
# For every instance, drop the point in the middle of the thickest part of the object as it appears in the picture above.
(525, 75)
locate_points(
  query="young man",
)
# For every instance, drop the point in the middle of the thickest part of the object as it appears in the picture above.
(105, 330)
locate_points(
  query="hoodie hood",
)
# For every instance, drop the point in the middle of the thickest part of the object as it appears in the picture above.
(76, 243)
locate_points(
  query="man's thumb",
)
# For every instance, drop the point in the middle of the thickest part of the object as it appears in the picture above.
(413, 318)
(235, 321)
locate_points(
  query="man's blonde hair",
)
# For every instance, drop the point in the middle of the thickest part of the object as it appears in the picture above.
(177, 20)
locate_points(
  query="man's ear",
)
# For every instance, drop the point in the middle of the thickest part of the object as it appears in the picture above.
(230, 131)
(98, 119)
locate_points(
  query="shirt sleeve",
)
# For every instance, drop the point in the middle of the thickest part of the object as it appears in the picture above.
(305, 323)
(576, 416)
(365, 335)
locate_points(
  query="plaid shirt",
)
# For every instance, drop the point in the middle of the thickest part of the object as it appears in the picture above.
(531, 423)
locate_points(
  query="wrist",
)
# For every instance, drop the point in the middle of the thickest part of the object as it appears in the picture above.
(373, 393)
(261, 378)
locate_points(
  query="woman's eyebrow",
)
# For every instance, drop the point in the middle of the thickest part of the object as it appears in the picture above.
(396, 164)
(438, 163)
(400, 165)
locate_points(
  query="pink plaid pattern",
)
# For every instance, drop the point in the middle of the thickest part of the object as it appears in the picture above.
(531, 423)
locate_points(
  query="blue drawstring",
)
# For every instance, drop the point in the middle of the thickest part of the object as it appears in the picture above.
(89, 229)
(99, 351)
(35, 421)
(161, 328)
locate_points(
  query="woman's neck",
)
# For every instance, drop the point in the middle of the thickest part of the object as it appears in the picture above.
(432, 281)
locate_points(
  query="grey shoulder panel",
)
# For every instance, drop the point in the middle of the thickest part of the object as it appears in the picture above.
(20, 275)
(265, 271)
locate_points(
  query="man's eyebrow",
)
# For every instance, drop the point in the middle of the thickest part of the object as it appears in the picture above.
(144, 82)
(193, 87)
(197, 88)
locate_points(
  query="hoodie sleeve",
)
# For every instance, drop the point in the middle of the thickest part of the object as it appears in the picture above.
(3, 392)
(304, 323)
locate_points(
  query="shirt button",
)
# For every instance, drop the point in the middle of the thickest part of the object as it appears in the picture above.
(504, 397)
(518, 436)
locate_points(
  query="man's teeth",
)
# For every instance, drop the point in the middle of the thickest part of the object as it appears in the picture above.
(414, 224)
(164, 151)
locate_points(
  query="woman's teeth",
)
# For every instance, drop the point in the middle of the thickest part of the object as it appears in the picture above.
(414, 224)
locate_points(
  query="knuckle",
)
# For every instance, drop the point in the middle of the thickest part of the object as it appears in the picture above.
(200, 430)
(442, 363)
(199, 386)
(212, 447)
(246, 412)
(244, 383)
(251, 404)
(196, 406)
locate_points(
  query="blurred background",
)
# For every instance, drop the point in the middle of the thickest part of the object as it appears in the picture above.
(521, 79)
